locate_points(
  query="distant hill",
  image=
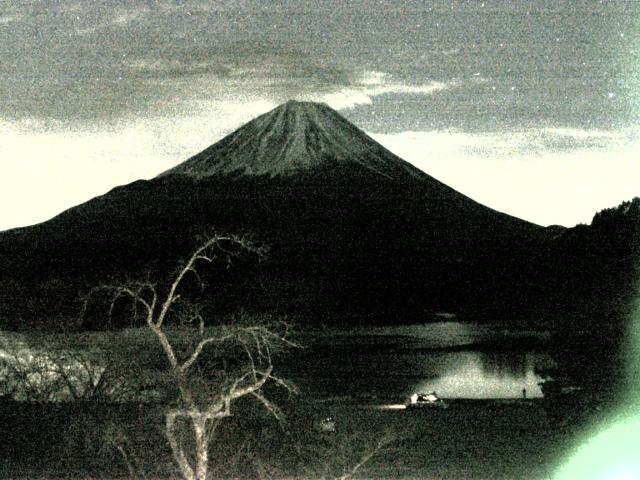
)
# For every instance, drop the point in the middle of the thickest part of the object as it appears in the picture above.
(593, 275)
(601, 265)
(356, 234)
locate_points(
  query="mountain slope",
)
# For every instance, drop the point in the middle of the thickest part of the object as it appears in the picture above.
(355, 233)
(294, 137)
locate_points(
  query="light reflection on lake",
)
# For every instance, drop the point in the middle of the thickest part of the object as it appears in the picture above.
(394, 362)
(472, 374)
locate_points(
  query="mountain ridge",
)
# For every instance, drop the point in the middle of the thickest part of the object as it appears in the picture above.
(293, 137)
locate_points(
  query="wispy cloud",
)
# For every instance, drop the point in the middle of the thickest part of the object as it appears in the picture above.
(539, 141)
(118, 18)
(7, 19)
(372, 84)
(10, 12)
(276, 76)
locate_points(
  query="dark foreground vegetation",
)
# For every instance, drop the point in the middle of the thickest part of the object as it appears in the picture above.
(470, 439)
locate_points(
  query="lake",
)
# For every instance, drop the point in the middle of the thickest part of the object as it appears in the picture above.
(454, 359)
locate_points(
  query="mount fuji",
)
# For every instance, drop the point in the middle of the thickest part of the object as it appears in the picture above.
(292, 138)
(355, 233)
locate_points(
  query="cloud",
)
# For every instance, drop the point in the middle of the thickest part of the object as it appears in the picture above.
(276, 76)
(243, 63)
(532, 142)
(373, 84)
(120, 18)
(7, 19)
(582, 134)
(524, 174)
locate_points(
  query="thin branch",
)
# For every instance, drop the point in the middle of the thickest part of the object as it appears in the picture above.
(197, 255)
(367, 455)
(198, 350)
(264, 376)
(290, 387)
(269, 405)
(257, 342)
(125, 458)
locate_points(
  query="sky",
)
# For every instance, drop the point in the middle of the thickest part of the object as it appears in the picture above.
(529, 107)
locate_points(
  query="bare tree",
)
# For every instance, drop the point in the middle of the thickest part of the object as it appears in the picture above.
(343, 456)
(197, 403)
(58, 374)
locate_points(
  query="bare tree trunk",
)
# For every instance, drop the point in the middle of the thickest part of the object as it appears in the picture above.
(178, 453)
(202, 446)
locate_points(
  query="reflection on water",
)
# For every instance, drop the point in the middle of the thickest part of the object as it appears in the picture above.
(505, 364)
(397, 361)
(472, 374)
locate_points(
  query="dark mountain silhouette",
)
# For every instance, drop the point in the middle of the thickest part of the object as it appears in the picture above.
(355, 234)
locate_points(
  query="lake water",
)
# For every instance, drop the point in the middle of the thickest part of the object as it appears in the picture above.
(454, 359)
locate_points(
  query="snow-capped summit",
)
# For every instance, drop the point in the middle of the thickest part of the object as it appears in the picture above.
(296, 136)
